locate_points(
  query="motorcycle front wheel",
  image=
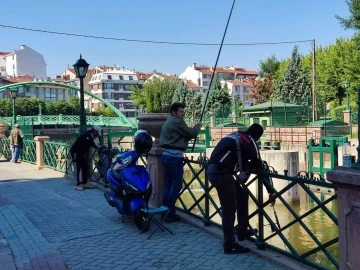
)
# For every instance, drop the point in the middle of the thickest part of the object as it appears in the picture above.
(141, 220)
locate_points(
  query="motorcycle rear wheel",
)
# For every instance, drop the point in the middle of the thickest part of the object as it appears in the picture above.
(141, 220)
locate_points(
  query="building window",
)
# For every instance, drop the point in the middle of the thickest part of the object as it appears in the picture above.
(256, 120)
(13, 57)
(108, 86)
(50, 94)
(127, 87)
(121, 77)
(204, 76)
(91, 87)
(205, 83)
(13, 66)
(131, 78)
(109, 77)
(109, 95)
(3, 68)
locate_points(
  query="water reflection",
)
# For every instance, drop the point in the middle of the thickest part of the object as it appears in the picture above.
(318, 222)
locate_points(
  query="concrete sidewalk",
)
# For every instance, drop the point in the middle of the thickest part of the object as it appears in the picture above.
(46, 224)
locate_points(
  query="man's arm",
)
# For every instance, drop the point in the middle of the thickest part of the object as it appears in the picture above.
(21, 133)
(94, 143)
(188, 132)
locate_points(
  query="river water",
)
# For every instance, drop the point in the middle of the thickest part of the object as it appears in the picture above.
(317, 222)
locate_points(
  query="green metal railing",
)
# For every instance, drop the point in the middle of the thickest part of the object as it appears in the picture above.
(298, 234)
(56, 155)
(68, 120)
(28, 150)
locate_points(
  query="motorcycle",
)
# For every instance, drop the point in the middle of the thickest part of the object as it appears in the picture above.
(130, 191)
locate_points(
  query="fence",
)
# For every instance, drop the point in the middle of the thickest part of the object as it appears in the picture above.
(299, 232)
(28, 152)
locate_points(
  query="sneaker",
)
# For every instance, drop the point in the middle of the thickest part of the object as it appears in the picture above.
(88, 185)
(235, 248)
(245, 234)
(79, 188)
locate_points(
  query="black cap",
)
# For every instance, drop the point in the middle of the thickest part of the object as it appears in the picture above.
(255, 131)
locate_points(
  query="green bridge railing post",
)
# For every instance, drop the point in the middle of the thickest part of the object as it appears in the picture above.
(260, 243)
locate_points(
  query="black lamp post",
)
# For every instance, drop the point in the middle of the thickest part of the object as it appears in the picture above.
(81, 68)
(13, 94)
(356, 165)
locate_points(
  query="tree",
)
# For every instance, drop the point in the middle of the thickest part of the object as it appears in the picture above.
(269, 66)
(193, 105)
(218, 95)
(74, 103)
(158, 94)
(62, 107)
(5, 107)
(294, 86)
(180, 93)
(138, 96)
(262, 89)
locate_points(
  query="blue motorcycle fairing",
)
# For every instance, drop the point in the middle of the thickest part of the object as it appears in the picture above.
(136, 203)
(137, 176)
(112, 179)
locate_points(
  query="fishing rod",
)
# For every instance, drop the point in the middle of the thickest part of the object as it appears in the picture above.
(213, 73)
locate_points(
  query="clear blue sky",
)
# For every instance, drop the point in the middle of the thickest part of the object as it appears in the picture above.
(173, 20)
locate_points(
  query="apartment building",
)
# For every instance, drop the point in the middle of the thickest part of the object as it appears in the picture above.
(240, 88)
(201, 75)
(22, 62)
(43, 92)
(113, 84)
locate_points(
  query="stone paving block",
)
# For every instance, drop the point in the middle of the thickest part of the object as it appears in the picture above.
(48, 219)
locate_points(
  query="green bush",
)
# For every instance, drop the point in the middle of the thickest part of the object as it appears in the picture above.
(337, 113)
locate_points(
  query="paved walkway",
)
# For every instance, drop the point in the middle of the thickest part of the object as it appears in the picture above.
(46, 224)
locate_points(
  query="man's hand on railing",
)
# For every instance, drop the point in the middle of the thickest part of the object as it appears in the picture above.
(272, 199)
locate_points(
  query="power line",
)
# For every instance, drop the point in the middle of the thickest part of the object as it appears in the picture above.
(154, 41)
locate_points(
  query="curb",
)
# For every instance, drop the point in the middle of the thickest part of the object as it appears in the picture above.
(6, 256)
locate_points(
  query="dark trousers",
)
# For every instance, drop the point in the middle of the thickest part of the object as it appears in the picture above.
(233, 198)
(81, 164)
(174, 173)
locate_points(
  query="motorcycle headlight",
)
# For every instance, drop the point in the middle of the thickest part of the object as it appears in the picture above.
(148, 185)
(132, 187)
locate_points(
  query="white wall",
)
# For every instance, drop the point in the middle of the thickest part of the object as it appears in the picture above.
(193, 75)
(26, 61)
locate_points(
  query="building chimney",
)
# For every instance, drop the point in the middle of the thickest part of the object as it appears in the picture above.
(23, 47)
(194, 65)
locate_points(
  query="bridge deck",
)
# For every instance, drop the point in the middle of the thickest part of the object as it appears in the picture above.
(46, 224)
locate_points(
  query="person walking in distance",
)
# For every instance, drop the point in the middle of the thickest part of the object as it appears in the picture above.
(174, 138)
(79, 152)
(232, 150)
(16, 141)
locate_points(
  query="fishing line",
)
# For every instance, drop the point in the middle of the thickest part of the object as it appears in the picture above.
(213, 73)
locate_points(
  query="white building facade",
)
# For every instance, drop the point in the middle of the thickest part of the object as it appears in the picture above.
(114, 86)
(23, 61)
(240, 89)
(201, 75)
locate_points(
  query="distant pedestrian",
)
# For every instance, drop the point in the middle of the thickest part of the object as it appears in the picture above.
(16, 142)
(80, 155)
(237, 152)
(174, 138)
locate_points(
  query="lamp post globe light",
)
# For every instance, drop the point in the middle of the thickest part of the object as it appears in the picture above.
(347, 85)
(81, 68)
(13, 94)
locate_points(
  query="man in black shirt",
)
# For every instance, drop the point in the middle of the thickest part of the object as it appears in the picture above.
(222, 166)
(80, 155)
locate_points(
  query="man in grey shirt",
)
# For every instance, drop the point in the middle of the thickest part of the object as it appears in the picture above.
(174, 138)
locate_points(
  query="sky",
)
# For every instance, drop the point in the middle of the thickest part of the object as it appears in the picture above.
(200, 21)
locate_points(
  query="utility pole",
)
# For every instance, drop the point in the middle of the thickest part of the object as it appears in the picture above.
(314, 82)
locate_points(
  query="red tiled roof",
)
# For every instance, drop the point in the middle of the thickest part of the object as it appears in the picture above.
(4, 53)
(190, 84)
(21, 78)
(89, 72)
(243, 83)
(229, 70)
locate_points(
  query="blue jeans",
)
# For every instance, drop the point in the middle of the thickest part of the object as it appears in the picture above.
(16, 152)
(174, 172)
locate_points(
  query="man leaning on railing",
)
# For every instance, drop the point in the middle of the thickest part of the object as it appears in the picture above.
(237, 152)
(80, 155)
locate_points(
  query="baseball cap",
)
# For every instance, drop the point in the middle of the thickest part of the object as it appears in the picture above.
(97, 128)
